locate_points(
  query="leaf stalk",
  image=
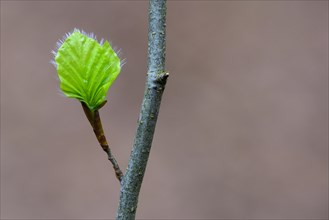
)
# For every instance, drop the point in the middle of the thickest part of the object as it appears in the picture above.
(96, 123)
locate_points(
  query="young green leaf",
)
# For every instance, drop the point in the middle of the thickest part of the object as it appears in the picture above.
(86, 68)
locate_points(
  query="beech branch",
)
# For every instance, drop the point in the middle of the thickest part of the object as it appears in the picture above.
(155, 84)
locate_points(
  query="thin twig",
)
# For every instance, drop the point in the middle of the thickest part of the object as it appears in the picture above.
(155, 84)
(96, 123)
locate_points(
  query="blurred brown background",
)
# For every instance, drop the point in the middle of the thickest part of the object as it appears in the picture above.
(242, 131)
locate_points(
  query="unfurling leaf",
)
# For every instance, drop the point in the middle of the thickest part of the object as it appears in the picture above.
(86, 68)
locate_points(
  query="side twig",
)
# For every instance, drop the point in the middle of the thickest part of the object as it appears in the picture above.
(155, 84)
(96, 123)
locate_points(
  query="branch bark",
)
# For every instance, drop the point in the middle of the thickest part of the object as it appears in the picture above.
(155, 84)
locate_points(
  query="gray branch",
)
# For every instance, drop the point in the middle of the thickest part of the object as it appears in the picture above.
(155, 84)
